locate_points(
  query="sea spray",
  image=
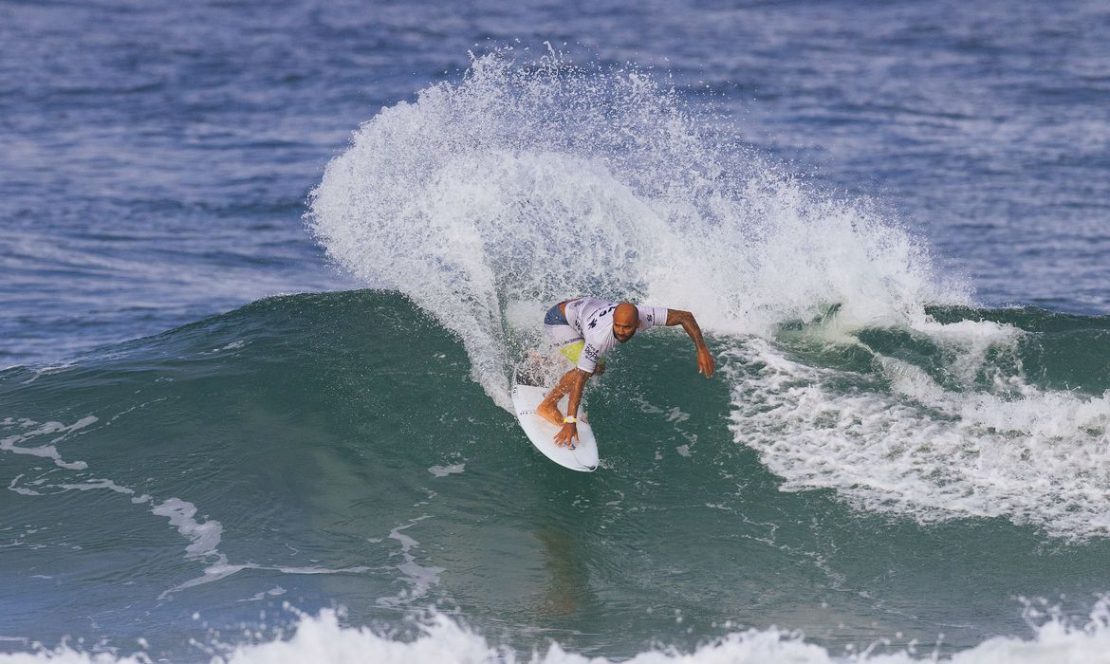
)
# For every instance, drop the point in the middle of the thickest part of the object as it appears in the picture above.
(537, 181)
(533, 182)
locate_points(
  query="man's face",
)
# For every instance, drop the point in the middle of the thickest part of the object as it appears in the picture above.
(625, 319)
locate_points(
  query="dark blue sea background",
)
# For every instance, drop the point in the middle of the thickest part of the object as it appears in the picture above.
(158, 155)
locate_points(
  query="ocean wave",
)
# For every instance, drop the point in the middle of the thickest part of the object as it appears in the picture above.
(877, 414)
(535, 182)
(323, 638)
(949, 425)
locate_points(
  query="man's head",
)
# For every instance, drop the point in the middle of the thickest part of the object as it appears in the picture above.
(625, 321)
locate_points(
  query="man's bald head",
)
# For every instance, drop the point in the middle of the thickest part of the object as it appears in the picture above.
(625, 321)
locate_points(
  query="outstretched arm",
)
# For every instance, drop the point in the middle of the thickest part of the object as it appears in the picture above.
(569, 432)
(706, 363)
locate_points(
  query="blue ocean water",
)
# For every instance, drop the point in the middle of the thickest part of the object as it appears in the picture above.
(265, 269)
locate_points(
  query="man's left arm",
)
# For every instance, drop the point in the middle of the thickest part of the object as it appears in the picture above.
(706, 363)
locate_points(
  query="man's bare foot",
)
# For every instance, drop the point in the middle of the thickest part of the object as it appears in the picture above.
(549, 412)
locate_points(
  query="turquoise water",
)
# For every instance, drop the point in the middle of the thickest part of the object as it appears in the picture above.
(332, 449)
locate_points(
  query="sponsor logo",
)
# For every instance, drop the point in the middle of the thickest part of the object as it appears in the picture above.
(600, 314)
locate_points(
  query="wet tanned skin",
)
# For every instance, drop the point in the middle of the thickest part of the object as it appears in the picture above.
(625, 320)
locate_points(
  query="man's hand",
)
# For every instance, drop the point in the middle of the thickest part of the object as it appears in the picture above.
(706, 363)
(567, 435)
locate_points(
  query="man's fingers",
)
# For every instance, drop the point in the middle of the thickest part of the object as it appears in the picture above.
(564, 438)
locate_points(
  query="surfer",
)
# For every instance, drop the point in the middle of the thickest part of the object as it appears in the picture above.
(586, 329)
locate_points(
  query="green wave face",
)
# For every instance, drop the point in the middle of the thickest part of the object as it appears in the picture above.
(334, 449)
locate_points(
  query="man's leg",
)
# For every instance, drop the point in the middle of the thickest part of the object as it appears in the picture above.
(548, 408)
(560, 332)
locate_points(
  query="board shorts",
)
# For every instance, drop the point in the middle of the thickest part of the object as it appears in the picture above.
(568, 340)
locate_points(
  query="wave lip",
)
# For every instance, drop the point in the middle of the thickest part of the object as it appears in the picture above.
(535, 182)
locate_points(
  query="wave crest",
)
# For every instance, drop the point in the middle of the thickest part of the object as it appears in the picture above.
(544, 180)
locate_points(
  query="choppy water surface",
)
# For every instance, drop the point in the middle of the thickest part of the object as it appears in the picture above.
(257, 364)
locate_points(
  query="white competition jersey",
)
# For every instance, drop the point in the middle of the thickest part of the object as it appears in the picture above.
(593, 320)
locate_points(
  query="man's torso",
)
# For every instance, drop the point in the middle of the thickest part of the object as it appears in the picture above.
(592, 319)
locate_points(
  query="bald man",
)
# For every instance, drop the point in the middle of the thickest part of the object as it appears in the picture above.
(586, 329)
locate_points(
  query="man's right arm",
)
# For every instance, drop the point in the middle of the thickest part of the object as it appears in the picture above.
(569, 432)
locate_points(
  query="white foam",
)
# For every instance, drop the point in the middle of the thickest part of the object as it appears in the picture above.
(23, 491)
(96, 484)
(920, 449)
(487, 199)
(325, 640)
(276, 591)
(421, 578)
(223, 569)
(444, 471)
(48, 451)
(47, 370)
(205, 537)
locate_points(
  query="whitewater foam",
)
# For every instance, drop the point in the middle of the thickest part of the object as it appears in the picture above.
(444, 471)
(420, 578)
(534, 182)
(33, 429)
(897, 441)
(323, 638)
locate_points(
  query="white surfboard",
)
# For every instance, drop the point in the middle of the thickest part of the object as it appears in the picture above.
(582, 457)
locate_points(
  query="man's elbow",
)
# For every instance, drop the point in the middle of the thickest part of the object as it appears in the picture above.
(679, 317)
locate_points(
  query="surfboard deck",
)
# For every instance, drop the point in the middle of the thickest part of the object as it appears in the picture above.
(582, 457)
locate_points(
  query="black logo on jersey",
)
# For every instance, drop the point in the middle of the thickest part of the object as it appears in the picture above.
(593, 322)
(591, 353)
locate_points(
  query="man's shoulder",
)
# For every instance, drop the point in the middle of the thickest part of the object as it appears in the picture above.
(652, 315)
(593, 308)
(594, 303)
